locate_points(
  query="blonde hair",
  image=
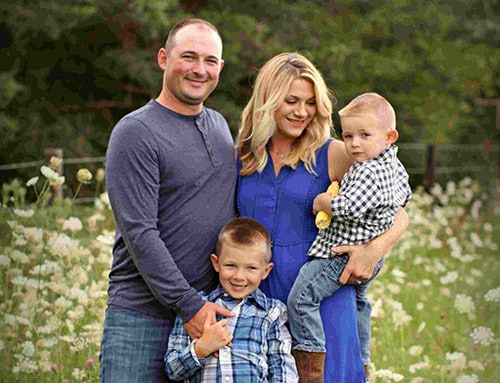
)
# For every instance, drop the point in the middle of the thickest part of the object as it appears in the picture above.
(258, 122)
(371, 103)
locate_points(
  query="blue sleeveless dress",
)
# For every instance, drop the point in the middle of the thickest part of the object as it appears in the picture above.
(283, 205)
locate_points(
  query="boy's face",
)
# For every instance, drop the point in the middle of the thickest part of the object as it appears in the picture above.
(365, 138)
(241, 268)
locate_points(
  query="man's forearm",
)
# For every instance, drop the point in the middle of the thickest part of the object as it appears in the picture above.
(387, 240)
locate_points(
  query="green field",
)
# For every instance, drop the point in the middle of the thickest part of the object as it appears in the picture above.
(436, 303)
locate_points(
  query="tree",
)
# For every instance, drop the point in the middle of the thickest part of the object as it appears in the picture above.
(70, 70)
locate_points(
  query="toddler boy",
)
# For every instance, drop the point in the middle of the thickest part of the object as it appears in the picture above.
(369, 197)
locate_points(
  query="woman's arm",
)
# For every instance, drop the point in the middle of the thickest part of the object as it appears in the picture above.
(363, 258)
(338, 161)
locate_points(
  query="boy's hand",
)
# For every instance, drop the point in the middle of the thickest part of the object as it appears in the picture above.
(322, 202)
(215, 336)
(208, 311)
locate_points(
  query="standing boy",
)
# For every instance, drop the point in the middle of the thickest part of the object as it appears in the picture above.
(368, 200)
(252, 346)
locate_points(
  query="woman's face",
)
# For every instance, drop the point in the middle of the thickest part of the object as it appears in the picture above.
(297, 110)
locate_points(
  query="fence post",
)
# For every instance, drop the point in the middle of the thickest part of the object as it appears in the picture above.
(430, 167)
(55, 191)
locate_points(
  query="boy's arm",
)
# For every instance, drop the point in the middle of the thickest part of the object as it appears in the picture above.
(359, 192)
(180, 361)
(184, 357)
(281, 364)
(363, 258)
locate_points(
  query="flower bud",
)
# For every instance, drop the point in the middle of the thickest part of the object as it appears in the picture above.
(84, 176)
(55, 162)
(100, 174)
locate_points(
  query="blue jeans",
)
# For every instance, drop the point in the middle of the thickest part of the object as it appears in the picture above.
(317, 280)
(133, 346)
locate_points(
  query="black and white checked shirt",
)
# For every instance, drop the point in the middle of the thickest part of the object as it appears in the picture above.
(369, 196)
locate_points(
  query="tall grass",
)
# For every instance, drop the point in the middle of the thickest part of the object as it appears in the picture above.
(435, 305)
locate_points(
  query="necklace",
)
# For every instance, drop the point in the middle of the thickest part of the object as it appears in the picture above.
(280, 154)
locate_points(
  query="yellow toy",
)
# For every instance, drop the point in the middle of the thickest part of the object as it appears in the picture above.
(323, 218)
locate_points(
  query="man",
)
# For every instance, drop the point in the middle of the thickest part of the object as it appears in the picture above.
(171, 177)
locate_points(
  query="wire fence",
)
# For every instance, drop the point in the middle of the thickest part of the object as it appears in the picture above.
(426, 165)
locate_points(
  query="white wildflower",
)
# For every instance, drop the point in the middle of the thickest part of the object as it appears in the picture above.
(52, 176)
(4, 260)
(28, 349)
(420, 365)
(482, 335)
(106, 239)
(476, 365)
(388, 375)
(72, 224)
(24, 213)
(468, 379)
(457, 361)
(476, 240)
(19, 256)
(416, 350)
(493, 295)
(454, 356)
(451, 277)
(464, 304)
(32, 181)
(33, 234)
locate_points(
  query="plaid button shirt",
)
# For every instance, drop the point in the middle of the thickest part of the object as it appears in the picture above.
(261, 345)
(369, 196)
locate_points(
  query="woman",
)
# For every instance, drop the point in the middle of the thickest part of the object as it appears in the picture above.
(285, 158)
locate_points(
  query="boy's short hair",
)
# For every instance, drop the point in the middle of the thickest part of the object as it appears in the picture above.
(371, 103)
(244, 231)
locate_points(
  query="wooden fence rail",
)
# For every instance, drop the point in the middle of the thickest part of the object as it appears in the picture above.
(423, 162)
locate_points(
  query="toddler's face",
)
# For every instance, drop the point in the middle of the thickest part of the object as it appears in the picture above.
(365, 138)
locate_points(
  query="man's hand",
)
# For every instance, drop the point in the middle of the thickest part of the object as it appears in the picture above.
(208, 312)
(363, 258)
(361, 263)
(215, 336)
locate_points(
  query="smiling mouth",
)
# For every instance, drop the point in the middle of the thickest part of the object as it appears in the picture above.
(297, 123)
(197, 81)
(238, 286)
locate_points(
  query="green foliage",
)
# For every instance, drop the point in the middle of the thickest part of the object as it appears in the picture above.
(70, 70)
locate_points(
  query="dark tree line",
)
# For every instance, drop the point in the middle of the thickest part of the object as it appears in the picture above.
(70, 69)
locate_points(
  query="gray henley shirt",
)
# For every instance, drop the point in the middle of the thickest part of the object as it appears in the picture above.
(171, 180)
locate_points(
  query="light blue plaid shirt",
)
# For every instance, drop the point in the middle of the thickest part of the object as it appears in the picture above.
(261, 345)
(369, 196)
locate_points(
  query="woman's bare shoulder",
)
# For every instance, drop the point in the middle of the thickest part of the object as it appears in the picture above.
(338, 161)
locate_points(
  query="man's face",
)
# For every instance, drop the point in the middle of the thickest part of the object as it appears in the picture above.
(193, 65)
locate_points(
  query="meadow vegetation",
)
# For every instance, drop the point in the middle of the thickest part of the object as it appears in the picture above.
(435, 305)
